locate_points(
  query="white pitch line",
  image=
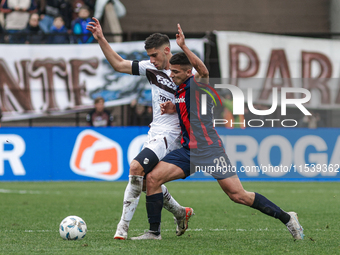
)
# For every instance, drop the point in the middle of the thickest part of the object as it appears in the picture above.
(47, 230)
(27, 192)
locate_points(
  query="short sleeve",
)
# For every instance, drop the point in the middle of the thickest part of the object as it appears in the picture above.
(139, 67)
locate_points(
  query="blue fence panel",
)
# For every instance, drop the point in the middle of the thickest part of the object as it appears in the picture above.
(25, 154)
(71, 153)
(284, 153)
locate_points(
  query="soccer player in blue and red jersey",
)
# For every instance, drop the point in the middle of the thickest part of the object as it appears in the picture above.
(201, 147)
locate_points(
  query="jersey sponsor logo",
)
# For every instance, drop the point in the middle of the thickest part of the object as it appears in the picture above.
(97, 156)
(166, 82)
(180, 100)
(164, 98)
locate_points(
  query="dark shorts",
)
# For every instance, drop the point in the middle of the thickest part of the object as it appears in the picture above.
(217, 164)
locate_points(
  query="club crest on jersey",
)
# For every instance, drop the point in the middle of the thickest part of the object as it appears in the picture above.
(166, 82)
(180, 100)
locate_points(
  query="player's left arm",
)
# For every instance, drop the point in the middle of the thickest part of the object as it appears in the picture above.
(197, 63)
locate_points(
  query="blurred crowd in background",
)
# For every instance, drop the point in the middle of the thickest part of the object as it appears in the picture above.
(65, 21)
(50, 21)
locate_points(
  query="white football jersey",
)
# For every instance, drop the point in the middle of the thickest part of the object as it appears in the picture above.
(163, 89)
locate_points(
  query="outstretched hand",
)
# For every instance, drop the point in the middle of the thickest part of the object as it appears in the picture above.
(180, 39)
(95, 28)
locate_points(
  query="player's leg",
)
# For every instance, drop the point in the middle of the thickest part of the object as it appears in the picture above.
(131, 199)
(143, 164)
(233, 188)
(161, 144)
(173, 142)
(175, 165)
(170, 204)
(181, 214)
(162, 173)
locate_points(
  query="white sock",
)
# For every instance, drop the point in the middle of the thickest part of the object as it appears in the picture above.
(131, 197)
(170, 204)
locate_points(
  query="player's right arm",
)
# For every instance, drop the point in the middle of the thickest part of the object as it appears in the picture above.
(117, 62)
(167, 107)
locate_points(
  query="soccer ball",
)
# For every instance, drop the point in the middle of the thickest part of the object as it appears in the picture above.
(72, 228)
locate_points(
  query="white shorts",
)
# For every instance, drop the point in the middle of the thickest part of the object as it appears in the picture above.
(161, 143)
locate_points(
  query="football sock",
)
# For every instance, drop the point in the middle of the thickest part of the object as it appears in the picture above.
(267, 207)
(154, 204)
(170, 204)
(131, 197)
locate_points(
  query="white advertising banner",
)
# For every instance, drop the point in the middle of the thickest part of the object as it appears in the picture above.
(282, 61)
(43, 80)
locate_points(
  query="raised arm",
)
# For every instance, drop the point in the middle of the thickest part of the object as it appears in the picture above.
(117, 62)
(202, 71)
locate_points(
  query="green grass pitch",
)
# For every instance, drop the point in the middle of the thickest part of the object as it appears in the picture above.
(30, 213)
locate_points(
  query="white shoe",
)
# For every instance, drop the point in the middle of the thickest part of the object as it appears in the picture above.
(121, 232)
(182, 224)
(148, 236)
(294, 226)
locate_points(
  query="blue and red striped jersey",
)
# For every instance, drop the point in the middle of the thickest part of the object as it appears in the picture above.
(198, 131)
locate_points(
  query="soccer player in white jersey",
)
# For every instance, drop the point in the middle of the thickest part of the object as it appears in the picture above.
(164, 134)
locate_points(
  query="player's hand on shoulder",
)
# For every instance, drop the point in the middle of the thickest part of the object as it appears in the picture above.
(167, 107)
(95, 28)
(180, 38)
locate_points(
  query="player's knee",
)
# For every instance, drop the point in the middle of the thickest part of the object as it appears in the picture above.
(237, 198)
(136, 168)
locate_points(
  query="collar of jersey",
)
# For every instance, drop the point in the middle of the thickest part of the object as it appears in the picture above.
(185, 83)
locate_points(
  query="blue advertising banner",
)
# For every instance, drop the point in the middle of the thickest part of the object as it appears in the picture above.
(65, 154)
(284, 153)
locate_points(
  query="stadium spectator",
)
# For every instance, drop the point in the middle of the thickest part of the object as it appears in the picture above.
(81, 34)
(100, 7)
(0, 116)
(141, 114)
(311, 121)
(77, 4)
(34, 34)
(319, 121)
(99, 116)
(17, 16)
(49, 9)
(58, 32)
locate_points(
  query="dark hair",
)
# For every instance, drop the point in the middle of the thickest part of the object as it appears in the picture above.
(180, 59)
(98, 99)
(156, 40)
